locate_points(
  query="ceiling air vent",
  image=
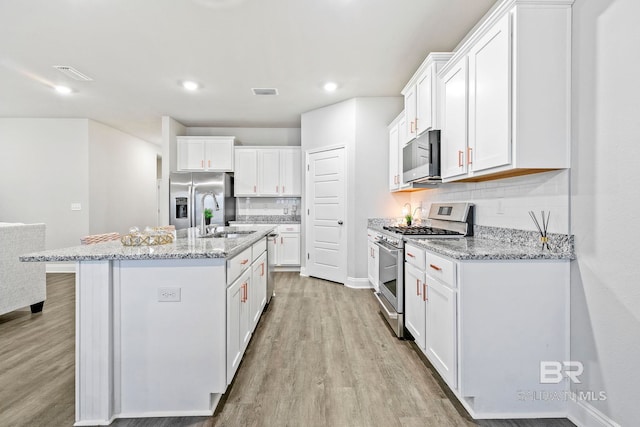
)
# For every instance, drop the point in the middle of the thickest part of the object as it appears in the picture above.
(73, 73)
(264, 91)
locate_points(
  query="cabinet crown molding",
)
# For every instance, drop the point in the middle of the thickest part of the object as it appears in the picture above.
(490, 19)
(433, 57)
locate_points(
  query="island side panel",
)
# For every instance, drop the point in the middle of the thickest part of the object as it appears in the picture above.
(171, 355)
(94, 343)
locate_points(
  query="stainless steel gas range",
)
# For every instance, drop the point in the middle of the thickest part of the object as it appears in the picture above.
(447, 220)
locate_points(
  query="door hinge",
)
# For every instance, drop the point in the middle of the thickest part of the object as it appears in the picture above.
(307, 255)
(307, 167)
(307, 211)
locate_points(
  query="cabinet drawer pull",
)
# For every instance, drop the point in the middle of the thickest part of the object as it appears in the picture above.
(418, 287)
(469, 161)
(244, 261)
(435, 267)
(460, 153)
(411, 255)
(424, 292)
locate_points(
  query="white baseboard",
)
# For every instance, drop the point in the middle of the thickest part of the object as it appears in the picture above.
(358, 283)
(303, 272)
(583, 414)
(61, 268)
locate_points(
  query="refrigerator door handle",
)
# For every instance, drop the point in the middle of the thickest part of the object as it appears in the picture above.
(191, 203)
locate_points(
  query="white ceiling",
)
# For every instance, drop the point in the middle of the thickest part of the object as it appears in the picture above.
(137, 51)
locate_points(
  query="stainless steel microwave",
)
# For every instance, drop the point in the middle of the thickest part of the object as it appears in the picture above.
(421, 158)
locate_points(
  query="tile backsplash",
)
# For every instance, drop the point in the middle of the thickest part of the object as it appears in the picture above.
(268, 206)
(506, 202)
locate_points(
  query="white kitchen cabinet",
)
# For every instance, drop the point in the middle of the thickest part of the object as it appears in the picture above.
(238, 322)
(267, 172)
(373, 259)
(411, 114)
(288, 251)
(290, 172)
(258, 289)
(422, 95)
(415, 304)
(485, 325)
(394, 163)
(205, 153)
(453, 137)
(440, 343)
(518, 112)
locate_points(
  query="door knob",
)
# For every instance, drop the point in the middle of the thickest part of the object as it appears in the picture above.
(340, 222)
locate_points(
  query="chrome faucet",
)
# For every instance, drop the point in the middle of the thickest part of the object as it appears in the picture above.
(203, 227)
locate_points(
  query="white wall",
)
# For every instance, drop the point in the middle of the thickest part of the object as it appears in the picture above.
(513, 197)
(122, 180)
(251, 136)
(359, 124)
(605, 278)
(43, 169)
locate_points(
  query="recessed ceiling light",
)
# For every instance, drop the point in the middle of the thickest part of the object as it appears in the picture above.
(189, 85)
(65, 90)
(330, 86)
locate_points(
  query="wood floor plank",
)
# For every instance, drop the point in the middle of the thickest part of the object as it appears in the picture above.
(321, 356)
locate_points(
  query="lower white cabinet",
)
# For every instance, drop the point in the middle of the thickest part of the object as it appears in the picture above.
(238, 322)
(373, 260)
(258, 289)
(246, 299)
(287, 244)
(486, 325)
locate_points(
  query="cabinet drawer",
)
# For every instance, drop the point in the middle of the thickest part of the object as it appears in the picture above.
(237, 264)
(414, 256)
(258, 248)
(372, 235)
(289, 228)
(441, 269)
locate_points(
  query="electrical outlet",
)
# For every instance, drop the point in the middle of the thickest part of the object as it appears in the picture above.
(76, 207)
(169, 294)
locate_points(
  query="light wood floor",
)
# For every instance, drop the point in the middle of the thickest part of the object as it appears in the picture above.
(321, 356)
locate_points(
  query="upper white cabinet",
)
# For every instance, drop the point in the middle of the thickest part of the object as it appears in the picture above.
(421, 96)
(395, 171)
(205, 153)
(267, 172)
(516, 91)
(453, 136)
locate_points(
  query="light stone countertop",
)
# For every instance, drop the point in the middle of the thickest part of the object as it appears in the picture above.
(491, 243)
(186, 246)
(267, 219)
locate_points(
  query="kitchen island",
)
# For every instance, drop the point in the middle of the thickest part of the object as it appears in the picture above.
(161, 330)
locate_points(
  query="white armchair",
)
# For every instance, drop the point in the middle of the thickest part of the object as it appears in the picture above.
(21, 283)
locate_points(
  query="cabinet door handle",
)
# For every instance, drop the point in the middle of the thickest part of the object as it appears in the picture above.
(460, 153)
(277, 187)
(418, 287)
(262, 273)
(254, 188)
(413, 126)
(469, 161)
(209, 163)
(202, 164)
(411, 255)
(243, 297)
(416, 125)
(435, 267)
(424, 292)
(281, 240)
(283, 188)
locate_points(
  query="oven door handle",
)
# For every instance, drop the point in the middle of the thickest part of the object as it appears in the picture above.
(393, 251)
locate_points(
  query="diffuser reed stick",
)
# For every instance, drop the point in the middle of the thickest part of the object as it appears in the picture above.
(542, 230)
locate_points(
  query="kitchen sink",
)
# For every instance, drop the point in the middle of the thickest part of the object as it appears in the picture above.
(227, 234)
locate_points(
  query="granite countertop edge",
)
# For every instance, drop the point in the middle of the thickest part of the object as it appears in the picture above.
(267, 219)
(490, 243)
(182, 248)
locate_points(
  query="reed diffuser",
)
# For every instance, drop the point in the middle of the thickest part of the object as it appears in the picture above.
(543, 230)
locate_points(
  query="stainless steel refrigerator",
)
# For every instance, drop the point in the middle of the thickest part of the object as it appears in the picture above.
(190, 192)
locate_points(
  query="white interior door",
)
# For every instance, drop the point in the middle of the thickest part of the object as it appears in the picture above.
(326, 229)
